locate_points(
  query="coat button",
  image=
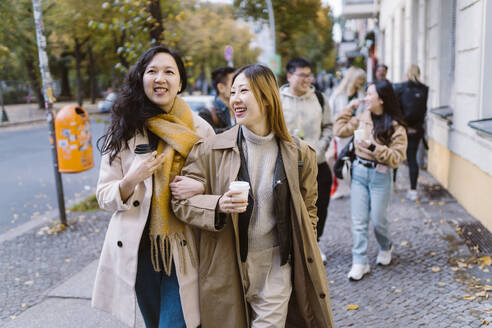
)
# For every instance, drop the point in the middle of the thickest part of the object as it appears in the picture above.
(119, 243)
(322, 295)
(310, 260)
(136, 203)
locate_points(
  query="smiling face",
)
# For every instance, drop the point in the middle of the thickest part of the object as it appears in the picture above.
(161, 81)
(246, 107)
(300, 81)
(373, 103)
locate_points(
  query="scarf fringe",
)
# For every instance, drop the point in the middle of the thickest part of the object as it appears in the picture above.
(164, 245)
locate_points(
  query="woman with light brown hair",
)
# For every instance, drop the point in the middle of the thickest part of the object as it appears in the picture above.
(260, 265)
(351, 87)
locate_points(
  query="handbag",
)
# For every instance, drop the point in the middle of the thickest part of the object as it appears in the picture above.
(343, 164)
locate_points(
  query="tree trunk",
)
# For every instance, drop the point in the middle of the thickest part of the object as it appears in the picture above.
(65, 82)
(92, 74)
(34, 82)
(78, 61)
(156, 30)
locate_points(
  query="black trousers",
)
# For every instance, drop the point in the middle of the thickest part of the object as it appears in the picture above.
(324, 187)
(413, 166)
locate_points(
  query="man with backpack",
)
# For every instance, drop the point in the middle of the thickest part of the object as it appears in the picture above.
(308, 117)
(412, 96)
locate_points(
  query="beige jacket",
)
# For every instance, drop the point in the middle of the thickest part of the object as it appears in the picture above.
(215, 162)
(391, 155)
(114, 288)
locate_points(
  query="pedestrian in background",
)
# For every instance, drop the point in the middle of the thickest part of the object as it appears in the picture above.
(260, 265)
(220, 116)
(350, 88)
(412, 96)
(148, 252)
(381, 72)
(308, 117)
(380, 145)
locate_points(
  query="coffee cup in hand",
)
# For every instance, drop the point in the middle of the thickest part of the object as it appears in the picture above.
(240, 186)
(359, 135)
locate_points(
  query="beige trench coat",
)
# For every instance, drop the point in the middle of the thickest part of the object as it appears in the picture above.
(114, 288)
(215, 161)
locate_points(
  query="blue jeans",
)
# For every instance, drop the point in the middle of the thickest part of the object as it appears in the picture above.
(370, 196)
(157, 294)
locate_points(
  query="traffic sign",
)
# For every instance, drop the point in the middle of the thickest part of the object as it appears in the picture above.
(228, 53)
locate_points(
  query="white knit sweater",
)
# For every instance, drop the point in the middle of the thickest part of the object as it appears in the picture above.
(261, 156)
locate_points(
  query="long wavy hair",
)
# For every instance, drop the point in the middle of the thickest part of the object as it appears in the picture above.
(265, 89)
(347, 85)
(132, 108)
(383, 124)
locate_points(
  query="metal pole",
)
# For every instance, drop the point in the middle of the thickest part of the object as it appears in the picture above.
(48, 102)
(5, 118)
(271, 19)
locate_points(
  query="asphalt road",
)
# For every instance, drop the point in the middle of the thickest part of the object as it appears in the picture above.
(27, 181)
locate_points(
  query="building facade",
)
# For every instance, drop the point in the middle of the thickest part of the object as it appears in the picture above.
(451, 41)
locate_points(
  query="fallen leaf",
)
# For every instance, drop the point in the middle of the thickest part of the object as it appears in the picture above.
(442, 284)
(485, 270)
(17, 279)
(442, 203)
(404, 243)
(469, 297)
(23, 305)
(462, 264)
(12, 317)
(352, 307)
(485, 323)
(486, 260)
(396, 219)
(68, 260)
(433, 253)
(29, 283)
(397, 290)
(487, 288)
(435, 269)
(332, 282)
(431, 203)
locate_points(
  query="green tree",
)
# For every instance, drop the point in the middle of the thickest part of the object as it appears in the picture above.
(302, 28)
(204, 31)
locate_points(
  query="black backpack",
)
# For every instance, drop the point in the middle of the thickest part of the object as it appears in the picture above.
(412, 97)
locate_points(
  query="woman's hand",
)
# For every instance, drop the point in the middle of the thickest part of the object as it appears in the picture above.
(231, 202)
(354, 103)
(183, 187)
(138, 172)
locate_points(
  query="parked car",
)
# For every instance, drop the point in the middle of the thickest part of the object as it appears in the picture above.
(197, 103)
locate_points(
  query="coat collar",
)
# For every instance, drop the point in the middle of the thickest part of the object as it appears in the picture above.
(227, 139)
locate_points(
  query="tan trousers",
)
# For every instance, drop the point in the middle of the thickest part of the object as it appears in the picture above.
(268, 287)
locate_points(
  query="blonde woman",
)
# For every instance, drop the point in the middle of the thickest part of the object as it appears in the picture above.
(351, 87)
(412, 96)
(260, 265)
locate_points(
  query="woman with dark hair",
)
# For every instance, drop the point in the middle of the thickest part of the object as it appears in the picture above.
(260, 265)
(380, 144)
(148, 254)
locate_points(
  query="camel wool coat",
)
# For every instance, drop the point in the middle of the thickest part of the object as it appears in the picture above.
(114, 287)
(215, 162)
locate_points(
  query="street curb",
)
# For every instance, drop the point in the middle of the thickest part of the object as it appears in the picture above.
(23, 123)
(48, 217)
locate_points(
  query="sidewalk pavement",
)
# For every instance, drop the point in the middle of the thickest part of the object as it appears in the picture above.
(432, 281)
(20, 114)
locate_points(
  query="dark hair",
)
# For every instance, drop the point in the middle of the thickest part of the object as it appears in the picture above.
(297, 62)
(132, 108)
(383, 124)
(382, 65)
(220, 75)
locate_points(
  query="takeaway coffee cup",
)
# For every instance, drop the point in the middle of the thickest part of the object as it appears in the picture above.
(143, 149)
(241, 186)
(359, 135)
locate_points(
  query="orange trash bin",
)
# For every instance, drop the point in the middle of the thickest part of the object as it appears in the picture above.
(73, 140)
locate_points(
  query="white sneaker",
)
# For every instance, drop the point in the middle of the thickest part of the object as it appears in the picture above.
(358, 271)
(323, 258)
(412, 195)
(384, 257)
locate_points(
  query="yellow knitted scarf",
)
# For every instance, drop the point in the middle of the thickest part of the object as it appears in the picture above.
(177, 136)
